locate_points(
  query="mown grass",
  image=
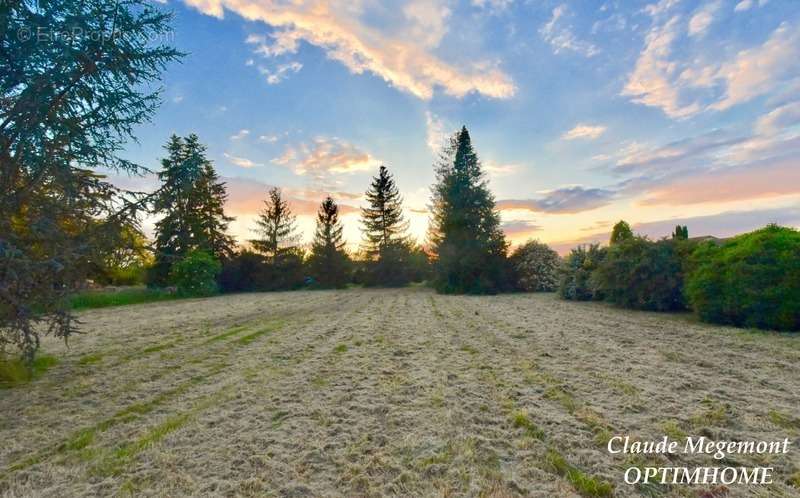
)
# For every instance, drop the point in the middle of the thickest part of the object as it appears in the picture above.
(105, 299)
(14, 371)
(583, 483)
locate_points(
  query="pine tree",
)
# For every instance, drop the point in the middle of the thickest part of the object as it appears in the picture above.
(465, 235)
(385, 239)
(276, 227)
(209, 198)
(328, 260)
(191, 199)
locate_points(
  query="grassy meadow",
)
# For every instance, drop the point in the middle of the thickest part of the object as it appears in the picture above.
(401, 392)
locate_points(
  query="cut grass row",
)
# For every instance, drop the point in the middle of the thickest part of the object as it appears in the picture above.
(82, 438)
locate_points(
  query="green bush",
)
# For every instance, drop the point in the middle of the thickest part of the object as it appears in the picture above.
(535, 267)
(574, 274)
(642, 274)
(196, 274)
(752, 280)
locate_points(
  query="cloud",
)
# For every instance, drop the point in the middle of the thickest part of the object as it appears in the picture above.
(561, 37)
(778, 119)
(688, 153)
(242, 162)
(240, 134)
(435, 135)
(722, 225)
(702, 19)
(246, 197)
(400, 52)
(652, 81)
(519, 228)
(564, 200)
(586, 131)
(325, 156)
(496, 169)
(759, 70)
(281, 72)
(683, 88)
(743, 6)
(268, 138)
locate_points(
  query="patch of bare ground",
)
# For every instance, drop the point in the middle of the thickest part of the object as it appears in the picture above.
(389, 392)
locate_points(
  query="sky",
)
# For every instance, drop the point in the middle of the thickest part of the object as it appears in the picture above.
(582, 113)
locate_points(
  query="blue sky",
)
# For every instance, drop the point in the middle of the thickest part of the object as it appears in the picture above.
(582, 112)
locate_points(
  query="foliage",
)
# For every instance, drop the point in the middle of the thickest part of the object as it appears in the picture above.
(621, 231)
(641, 274)
(118, 297)
(71, 96)
(752, 280)
(126, 262)
(466, 240)
(681, 233)
(275, 227)
(535, 267)
(386, 246)
(191, 200)
(328, 262)
(196, 274)
(245, 271)
(576, 271)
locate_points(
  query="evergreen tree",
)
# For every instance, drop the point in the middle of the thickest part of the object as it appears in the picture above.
(191, 199)
(68, 106)
(621, 231)
(328, 258)
(276, 228)
(465, 235)
(680, 233)
(385, 241)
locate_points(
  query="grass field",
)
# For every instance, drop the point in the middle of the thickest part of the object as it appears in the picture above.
(389, 392)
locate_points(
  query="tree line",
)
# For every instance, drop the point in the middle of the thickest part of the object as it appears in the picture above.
(194, 253)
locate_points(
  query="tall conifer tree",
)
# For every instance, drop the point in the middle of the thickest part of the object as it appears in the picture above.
(465, 235)
(276, 227)
(328, 259)
(385, 239)
(191, 200)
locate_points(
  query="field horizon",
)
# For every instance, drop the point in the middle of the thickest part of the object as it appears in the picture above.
(367, 392)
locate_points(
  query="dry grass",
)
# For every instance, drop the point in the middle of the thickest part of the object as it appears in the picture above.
(386, 392)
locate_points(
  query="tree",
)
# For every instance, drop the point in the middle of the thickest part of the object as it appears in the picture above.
(328, 260)
(278, 242)
(621, 231)
(536, 267)
(386, 243)
(751, 280)
(196, 274)
(575, 281)
(71, 96)
(191, 200)
(276, 227)
(680, 233)
(465, 235)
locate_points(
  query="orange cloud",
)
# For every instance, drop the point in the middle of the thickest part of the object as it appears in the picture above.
(754, 182)
(246, 197)
(402, 58)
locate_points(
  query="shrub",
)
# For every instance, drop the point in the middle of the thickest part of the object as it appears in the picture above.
(536, 267)
(577, 269)
(196, 274)
(246, 271)
(642, 274)
(752, 280)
